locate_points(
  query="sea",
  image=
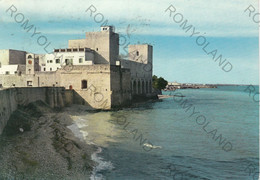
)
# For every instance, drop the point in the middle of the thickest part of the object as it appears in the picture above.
(194, 134)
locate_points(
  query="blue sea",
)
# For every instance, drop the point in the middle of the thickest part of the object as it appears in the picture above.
(197, 134)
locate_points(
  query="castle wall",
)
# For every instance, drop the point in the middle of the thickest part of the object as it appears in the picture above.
(4, 54)
(77, 43)
(97, 92)
(104, 43)
(94, 80)
(99, 41)
(140, 53)
(16, 57)
(11, 98)
(121, 86)
(8, 80)
(141, 77)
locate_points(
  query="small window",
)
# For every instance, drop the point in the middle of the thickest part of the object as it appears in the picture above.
(84, 84)
(50, 69)
(57, 68)
(57, 61)
(29, 57)
(80, 60)
(97, 49)
(29, 83)
(50, 61)
(69, 61)
(44, 69)
(7, 72)
(137, 53)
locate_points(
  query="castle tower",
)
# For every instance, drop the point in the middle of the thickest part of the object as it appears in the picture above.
(32, 63)
(142, 53)
(105, 44)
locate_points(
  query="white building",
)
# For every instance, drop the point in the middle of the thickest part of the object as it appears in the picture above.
(69, 56)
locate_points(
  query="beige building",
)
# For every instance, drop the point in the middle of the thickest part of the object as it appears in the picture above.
(90, 67)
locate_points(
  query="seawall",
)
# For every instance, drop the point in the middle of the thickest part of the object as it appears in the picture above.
(10, 99)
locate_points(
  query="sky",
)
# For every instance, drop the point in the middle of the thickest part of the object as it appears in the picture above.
(177, 56)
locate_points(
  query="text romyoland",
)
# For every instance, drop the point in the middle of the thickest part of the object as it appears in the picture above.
(201, 40)
(201, 120)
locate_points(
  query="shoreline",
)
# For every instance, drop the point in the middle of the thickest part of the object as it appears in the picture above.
(37, 143)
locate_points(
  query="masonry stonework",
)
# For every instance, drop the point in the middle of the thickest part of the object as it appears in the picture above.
(91, 68)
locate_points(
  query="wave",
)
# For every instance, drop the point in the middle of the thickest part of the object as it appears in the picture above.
(152, 146)
(102, 166)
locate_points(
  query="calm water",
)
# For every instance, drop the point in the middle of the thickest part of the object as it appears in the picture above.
(183, 148)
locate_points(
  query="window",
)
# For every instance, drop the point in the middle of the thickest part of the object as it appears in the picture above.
(50, 69)
(7, 72)
(97, 49)
(68, 61)
(84, 84)
(80, 60)
(50, 61)
(29, 83)
(57, 61)
(29, 57)
(137, 53)
(44, 69)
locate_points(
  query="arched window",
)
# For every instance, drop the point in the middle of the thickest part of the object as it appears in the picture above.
(29, 57)
(84, 84)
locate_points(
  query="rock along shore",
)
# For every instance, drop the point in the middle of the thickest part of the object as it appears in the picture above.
(36, 144)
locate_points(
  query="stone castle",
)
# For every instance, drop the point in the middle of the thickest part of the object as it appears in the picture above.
(90, 67)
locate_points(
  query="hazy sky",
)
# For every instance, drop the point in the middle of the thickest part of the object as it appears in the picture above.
(177, 57)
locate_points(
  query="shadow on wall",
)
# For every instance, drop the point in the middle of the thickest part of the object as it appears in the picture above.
(77, 99)
(99, 59)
